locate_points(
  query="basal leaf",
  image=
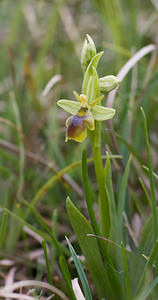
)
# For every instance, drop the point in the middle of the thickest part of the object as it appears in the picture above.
(90, 250)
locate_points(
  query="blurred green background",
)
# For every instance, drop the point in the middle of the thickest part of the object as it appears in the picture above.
(42, 39)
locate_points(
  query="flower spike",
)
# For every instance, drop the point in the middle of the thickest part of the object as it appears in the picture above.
(87, 109)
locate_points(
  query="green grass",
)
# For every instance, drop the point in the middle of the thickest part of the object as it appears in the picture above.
(38, 170)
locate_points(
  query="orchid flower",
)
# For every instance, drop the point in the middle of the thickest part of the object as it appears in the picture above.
(85, 111)
(83, 116)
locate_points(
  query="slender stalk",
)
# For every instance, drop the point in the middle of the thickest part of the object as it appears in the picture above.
(126, 273)
(21, 146)
(3, 226)
(145, 192)
(54, 232)
(47, 262)
(103, 200)
(87, 193)
(152, 185)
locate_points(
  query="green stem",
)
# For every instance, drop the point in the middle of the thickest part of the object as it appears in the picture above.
(3, 226)
(47, 262)
(87, 194)
(21, 146)
(95, 138)
(126, 273)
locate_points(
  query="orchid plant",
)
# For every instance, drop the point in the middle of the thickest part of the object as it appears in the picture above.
(86, 116)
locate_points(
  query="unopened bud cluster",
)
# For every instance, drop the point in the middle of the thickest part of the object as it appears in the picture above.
(87, 53)
(106, 83)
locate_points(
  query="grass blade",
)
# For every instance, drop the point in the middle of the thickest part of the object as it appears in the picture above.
(129, 147)
(111, 199)
(148, 290)
(126, 273)
(80, 271)
(66, 275)
(148, 266)
(23, 222)
(121, 199)
(3, 225)
(152, 185)
(21, 146)
(145, 191)
(45, 226)
(47, 262)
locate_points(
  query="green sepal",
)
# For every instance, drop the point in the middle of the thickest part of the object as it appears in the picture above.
(94, 62)
(71, 107)
(101, 113)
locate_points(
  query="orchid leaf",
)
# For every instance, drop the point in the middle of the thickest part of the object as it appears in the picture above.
(90, 250)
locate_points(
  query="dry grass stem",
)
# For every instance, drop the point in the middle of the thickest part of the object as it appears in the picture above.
(32, 283)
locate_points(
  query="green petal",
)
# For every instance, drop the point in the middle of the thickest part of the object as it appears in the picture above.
(77, 96)
(101, 113)
(71, 107)
(97, 100)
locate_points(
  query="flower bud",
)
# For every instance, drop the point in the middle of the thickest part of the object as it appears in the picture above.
(87, 53)
(108, 83)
